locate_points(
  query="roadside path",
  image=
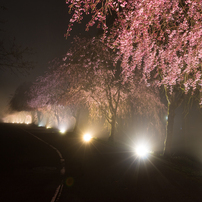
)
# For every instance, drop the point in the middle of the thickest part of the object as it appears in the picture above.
(30, 169)
(99, 172)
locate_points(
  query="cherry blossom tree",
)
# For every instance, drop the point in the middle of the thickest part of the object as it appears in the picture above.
(160, 38)
(88, 77)
(44, 94)
(105, 91)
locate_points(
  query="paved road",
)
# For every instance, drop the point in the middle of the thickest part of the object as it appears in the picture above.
(29, 169)
(99, 172)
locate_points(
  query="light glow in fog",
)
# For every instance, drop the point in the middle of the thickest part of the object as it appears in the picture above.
(87, 137)
(62, 130)
(142, 150)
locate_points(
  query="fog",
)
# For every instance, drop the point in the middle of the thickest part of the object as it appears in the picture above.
(187, 138)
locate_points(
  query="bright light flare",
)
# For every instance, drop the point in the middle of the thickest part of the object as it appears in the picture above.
(142, 150)
(87, 137)
(62, 131)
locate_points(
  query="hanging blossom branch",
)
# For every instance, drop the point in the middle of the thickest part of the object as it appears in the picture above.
(86, 76)
(163, 35)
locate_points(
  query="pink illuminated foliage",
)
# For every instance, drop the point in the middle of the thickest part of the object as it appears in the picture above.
(165, 34)
(88, 77)
(162, 38)
(45, 94)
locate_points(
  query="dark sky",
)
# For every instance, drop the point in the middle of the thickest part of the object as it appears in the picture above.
(40, 25)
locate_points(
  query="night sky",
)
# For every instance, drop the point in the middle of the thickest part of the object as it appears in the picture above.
(39, 25)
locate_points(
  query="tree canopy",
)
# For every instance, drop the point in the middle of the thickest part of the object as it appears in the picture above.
(163, 35)
(87, 76)
(162, 39)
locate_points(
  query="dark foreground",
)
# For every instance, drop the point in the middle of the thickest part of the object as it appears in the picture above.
(30, 170)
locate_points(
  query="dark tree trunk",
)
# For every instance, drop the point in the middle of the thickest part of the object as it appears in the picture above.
(113, 110)
(185, 131)
(58, 119)
(169, 130)
(112, 130)
(174, 100)
(33, 116)
(77, 120)
(39, 117)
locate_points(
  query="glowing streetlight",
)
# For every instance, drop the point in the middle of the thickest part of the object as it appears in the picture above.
(142, 150)
(87, 137)
(62, 130)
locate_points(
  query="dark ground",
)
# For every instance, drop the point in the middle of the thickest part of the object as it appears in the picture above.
(30, 170)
